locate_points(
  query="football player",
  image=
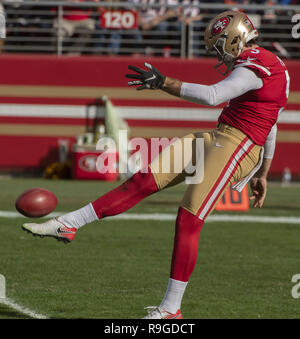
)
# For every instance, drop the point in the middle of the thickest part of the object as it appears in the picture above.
(239, 149)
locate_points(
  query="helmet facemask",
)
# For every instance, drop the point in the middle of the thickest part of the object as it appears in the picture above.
(223, 57)
(227, 34)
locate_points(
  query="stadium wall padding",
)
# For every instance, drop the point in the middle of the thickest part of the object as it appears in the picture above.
(45, 99)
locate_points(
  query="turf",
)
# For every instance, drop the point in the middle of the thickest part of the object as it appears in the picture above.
(114, 268)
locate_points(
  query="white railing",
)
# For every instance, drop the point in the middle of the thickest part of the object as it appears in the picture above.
(42, 27)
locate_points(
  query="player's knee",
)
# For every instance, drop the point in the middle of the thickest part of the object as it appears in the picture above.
(188, 221)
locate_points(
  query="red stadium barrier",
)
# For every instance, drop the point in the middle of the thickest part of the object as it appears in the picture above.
(44, 99)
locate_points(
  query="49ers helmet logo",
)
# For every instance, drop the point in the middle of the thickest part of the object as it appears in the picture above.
(220, 25)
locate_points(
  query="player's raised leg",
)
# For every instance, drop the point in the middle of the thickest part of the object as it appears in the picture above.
(118, 200)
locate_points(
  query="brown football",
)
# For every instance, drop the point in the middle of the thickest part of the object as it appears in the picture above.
(36, 202)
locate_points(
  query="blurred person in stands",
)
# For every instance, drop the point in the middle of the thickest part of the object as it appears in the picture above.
(189, 14)
(33, 22)
(285, 2)
(75, 19)
(274, 2)
(282, 19)
(2, 23)
(108, 40)
(2, 26)
(155, 16)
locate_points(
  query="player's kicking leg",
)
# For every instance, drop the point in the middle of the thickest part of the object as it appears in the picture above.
(117, 201)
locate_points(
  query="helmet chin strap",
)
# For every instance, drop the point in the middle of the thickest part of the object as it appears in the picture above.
(218, 65)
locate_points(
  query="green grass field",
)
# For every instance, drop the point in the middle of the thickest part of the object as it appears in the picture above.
(114, 268)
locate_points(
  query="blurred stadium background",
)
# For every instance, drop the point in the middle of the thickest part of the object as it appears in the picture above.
(60, 58)
(62, 85)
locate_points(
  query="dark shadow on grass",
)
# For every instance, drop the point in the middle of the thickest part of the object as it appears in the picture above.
(7, 313)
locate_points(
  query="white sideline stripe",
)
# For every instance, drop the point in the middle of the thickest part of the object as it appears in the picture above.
(254, 218)
(12, 214)
(212, 218)
(21, 309)
(172, 217)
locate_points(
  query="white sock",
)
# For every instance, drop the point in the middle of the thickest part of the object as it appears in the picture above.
(79, 218)
(173, 296)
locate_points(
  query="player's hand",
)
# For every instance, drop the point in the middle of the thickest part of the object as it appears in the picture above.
(259, 190)
(146, 79)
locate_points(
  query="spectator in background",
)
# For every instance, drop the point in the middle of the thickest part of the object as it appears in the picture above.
(155, 17)
(108, 40)
(76, 18)
(189, 14)
(31, 22)
(2, 24)
(156, 20)
(284, 2)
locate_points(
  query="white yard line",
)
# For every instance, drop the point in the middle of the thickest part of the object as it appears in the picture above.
(13, 215)
(21, 309)
(171, 217)
(212, 218)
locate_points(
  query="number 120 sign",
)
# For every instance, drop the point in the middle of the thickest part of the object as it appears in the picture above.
(122, 19)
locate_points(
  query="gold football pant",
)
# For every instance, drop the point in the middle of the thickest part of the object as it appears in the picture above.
(229, 155)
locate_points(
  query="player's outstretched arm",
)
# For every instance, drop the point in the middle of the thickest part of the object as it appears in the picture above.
(240, 81)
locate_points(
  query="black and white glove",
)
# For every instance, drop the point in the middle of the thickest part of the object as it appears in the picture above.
(151, 79)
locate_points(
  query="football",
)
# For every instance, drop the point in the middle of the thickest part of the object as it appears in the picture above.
(36, 202)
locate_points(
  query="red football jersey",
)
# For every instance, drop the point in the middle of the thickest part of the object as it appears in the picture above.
(256, 111)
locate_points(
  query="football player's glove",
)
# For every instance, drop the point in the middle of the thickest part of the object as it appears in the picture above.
(146, 79)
